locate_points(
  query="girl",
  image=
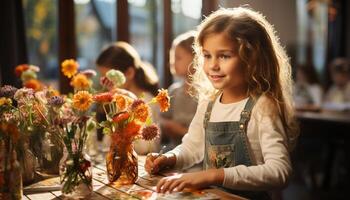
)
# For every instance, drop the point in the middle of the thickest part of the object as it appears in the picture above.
(183, 107)
(307, 92)
(244, 124)
(141, 79)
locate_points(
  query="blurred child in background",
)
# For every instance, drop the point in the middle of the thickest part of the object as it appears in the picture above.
(307, 92)
(338, 95)
(176, 121)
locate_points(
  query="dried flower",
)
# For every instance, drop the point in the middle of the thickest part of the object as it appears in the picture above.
(41, 97)
(22, 93)
(7, 91)
(163, 100)
(69, 67)
(82, 100)
(105, 97)
(34, 84)
(150, 132)
(116, 76)
(56, 101)
(80, 82)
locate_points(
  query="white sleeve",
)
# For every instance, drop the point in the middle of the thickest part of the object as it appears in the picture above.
(191, 150)
(275, 169)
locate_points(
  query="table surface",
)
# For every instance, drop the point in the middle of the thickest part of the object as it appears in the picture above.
(325, 116)
(144, 188)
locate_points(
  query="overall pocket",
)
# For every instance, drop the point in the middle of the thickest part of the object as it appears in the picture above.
(221, 156)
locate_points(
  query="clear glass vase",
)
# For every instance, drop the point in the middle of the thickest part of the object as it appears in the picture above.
(121, 163)
(11, 187)
(50, 157)
(76, 175)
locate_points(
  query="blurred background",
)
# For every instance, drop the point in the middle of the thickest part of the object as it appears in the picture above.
(314, 32)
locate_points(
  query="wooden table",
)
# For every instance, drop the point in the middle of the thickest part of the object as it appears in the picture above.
(144, 188)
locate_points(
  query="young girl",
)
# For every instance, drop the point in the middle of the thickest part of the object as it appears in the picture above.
(244, 125)
(183, 107)
(141, 79)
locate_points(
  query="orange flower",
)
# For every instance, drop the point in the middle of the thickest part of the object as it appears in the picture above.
(34, 84)
(80, 82)
(131, 129)
(141, 110)
(163, 100)
(82, 100)
(120, 117)
(21, 68)
(104, 97)
(11, 130)
(121, 102)
(69, 67)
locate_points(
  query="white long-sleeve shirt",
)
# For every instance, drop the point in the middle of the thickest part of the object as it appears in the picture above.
(266, 138)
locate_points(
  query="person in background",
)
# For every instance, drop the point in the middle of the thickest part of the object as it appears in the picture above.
(308, 92)
(244, 126)
(141, 79)
(176, 121)
(338, 95)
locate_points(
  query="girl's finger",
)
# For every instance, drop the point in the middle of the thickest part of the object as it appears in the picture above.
(174, 185)
(181, 187)
(160, 184)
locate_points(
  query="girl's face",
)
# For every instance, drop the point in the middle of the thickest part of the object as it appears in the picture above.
(183, 60)
(222, 64)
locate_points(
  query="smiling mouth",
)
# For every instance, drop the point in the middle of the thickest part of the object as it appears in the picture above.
(216, 77)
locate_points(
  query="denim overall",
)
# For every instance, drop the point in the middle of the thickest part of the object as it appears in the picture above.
(226, 145)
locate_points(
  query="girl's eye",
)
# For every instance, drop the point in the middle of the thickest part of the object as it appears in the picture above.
(223, 56)
(207, 56)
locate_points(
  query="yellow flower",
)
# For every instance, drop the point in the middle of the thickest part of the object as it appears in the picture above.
(121, 102)
(163, 100)
(80, 82)
(69, 67)
(5, 101)
(82, 100)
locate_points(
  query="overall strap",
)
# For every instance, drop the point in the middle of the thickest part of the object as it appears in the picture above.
(245, 114)
(209, 109)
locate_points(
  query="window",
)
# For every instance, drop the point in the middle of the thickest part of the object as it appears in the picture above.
(95, 28)
(41, 34)
(186, 15)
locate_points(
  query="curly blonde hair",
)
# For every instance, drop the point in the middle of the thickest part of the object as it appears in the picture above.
(267, 67)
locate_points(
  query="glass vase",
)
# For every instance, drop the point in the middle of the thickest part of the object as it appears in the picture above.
(10, 173)
(76, 175)
(121, 163)
(50, 157)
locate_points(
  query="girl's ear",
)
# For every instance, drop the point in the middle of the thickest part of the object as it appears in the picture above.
(130, 73)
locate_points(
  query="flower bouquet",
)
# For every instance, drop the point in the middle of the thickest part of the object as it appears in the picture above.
(10, 171)
(127, 119)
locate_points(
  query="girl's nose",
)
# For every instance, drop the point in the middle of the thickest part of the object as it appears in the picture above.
(214, 64)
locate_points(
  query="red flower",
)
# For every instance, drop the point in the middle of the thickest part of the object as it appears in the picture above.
(105, 97)
(120, 117)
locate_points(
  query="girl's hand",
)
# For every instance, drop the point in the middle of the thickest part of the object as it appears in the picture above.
(191, 180)
(155, 163)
